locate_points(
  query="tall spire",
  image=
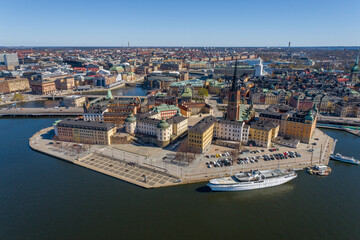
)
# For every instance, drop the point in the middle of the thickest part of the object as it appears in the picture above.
(357, 60)
(234, 82)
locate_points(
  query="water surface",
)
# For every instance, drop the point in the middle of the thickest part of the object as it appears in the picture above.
(45, 198)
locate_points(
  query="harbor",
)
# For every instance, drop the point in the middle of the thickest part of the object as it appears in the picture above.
(41, 182)
(145, 161)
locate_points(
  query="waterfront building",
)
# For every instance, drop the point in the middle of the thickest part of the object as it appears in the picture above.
(347, 109)
(67, 83)
(293, 123)
(43, 87)
(80, 131)
(262, 133)
(74, 101)
(14, 84)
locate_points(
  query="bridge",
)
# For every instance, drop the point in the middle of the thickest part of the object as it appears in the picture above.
(41, 112)
(92, 96)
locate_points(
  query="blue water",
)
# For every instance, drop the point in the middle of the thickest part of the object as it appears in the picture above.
(45, 198)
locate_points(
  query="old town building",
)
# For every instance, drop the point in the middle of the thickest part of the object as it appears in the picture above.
(80, 131)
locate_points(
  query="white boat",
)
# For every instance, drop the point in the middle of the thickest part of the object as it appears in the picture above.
(252, 180)
(341, 158)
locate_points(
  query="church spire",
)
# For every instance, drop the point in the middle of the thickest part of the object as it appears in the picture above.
(234, 82)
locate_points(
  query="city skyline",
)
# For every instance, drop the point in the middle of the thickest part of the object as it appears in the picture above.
(188, 24)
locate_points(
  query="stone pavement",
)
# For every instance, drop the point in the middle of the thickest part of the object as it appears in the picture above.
(129, 172)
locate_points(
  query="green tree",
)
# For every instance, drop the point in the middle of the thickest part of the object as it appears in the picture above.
(18, 97)
(203, 92)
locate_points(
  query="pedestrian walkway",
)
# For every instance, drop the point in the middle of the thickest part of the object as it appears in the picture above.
(129, 172)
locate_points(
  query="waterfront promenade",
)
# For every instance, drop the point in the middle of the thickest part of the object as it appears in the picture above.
(94, 158)
(151, 167)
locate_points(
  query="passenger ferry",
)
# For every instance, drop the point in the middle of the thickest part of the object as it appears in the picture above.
(341, 158)
(252, 180)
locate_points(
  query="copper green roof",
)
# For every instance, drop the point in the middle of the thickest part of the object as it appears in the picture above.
(131, 118)
(355, 68)
(187, 92)
(109, 95)
(165, 107)
(163, 124)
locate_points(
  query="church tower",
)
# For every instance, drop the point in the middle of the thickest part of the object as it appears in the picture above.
(354, 75)
(233, 108)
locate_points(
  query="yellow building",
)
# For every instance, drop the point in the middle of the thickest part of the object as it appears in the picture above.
(301, 126)
(201, 135)
(80, 131)
(262, 133)
(293, 123)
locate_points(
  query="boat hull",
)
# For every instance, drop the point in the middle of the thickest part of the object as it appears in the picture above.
(355, 162)
(251, 185)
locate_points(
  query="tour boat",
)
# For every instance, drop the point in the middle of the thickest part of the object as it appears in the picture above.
(252, 180)
(321, 170)
(341, 158)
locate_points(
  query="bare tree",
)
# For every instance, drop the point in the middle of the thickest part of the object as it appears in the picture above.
(234, 154)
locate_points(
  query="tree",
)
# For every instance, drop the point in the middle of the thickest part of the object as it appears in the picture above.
(203, 92)
(234, 154)
(18, 97)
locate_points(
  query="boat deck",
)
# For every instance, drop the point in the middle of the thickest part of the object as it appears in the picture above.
(225, 180)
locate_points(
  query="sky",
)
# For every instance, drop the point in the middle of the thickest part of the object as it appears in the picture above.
(268, 23)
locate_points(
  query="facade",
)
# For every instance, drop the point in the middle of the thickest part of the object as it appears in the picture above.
(344, 109)
(9, 60)
(65, 83)
(231, 130)
(10, 85)
(95, 114)
(262, 133)
(43, 87)
(74, 101)
(293, 123)
(229, 71)
(193, 108)
(200, 136)
(264, 98)
(166, 111)
(149, 128)
(80, 131)
(301, 102)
